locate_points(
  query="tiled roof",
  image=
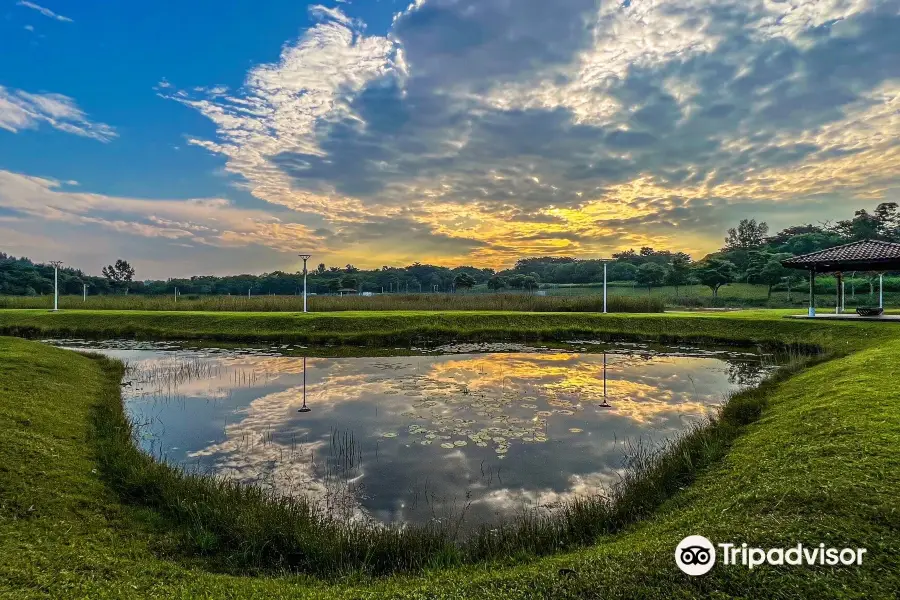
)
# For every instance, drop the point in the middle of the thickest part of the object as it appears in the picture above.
(873, 252)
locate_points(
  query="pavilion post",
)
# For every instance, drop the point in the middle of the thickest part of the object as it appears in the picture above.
(881, 290)
(837, 298)
(812, 293)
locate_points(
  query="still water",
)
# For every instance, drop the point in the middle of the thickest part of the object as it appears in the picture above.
(473, 433)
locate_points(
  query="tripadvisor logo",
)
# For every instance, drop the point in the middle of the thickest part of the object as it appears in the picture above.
(696, 555)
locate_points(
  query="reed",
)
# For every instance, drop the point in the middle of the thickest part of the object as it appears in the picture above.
(386, 302)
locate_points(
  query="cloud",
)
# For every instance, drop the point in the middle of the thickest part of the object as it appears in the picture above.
(21, 110)
(201, 222)
(568, 127)
(44, 11)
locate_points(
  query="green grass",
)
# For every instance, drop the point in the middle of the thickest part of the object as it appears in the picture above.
(821, 464)
(403, 327)
(523, 301)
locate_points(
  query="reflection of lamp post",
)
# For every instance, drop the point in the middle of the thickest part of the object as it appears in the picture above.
(305, 258)
(56, 265)
(605, 403)
(304, 408)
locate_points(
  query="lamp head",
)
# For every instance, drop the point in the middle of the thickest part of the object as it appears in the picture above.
(305, 257)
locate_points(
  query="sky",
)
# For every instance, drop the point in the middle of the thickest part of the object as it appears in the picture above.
(212, 138)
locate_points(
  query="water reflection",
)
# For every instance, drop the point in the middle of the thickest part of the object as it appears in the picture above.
(474, 435)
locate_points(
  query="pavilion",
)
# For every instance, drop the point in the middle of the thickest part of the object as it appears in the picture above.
(867, 255)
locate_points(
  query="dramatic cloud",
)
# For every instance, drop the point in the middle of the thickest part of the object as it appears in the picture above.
(497, 129)
(206, 221)
(44, 11)
(21, 110)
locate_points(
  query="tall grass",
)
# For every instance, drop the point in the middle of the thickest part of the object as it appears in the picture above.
(247, 528)
(514, 302)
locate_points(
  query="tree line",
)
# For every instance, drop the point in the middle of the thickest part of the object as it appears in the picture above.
(749, 255)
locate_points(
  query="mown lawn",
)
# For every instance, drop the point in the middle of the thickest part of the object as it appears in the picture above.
(822, 465)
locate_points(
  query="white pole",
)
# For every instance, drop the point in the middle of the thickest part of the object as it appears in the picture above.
(85, 293)
(843, 296)
(881, 290)
(305, 258)
(248, 292)
(812, 293)
(604, 287)
(176, 295)
(56, 265)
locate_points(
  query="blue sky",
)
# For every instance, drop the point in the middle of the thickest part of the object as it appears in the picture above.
(201, 137)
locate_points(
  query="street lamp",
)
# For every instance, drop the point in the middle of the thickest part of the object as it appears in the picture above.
(305, 258)
(56, 265)
(604, 261)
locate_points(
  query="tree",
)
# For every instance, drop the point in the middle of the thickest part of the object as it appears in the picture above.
(714, 273)
(119, 274)
(349, 283)
(749, 234)
(651, 275)
(766, 268)
(463, 281)
(516, 282)
(680, 272)
(320, 270)
(862, 226)
(334, 285)
(496, 283)
(888, 221)
(530, 283)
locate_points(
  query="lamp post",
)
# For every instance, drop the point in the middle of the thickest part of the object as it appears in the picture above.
(305, 258)
(56, 265)
(881, 290)
(84, 299)
(605, 261)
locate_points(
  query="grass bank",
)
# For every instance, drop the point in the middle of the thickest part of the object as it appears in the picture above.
(777, 484)
(421, 327)
(524, 301)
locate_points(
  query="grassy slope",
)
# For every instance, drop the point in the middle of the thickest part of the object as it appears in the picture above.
(414, 326)
(822, 465)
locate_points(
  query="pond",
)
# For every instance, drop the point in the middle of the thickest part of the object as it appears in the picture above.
(472, 433)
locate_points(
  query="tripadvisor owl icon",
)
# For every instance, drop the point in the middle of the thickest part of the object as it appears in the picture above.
(695, 555)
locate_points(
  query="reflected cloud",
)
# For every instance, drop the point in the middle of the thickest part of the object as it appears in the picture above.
(472, 437)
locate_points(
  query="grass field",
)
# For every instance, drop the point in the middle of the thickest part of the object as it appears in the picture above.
(821, 464)
(622, 297)
(526, 302)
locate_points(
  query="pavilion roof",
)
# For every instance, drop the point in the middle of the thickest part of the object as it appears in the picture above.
(866, 255)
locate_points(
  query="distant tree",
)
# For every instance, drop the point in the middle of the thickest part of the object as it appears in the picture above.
(748, 235)
(785, 235)
(621, 271)
(715, 272)
(651, 275)
(320, 270)
(349, 283)
(516, 282)
(350, 269)
(888, 219)
(119, 275)
(530, 283)
(679, 273)
(463, 281)
(334, 285)
(862, 226)
(766, 268)
(496, 283)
